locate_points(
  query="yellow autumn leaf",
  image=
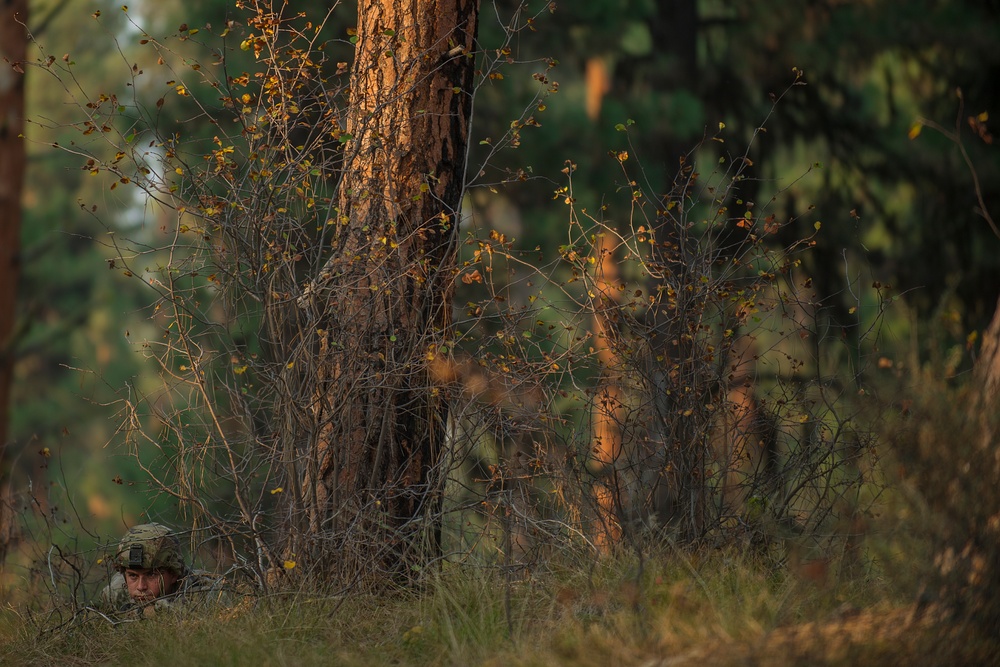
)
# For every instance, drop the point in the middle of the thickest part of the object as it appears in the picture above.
(289, 564)
(915, 130)
(277, 490)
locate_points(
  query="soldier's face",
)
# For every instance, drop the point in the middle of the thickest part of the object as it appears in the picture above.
(147, 585)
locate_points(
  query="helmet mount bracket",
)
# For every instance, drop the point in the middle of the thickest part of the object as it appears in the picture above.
(135, 556)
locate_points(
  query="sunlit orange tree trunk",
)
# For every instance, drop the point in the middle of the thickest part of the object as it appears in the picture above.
(13, 49)
(608, 413)
(372, 482)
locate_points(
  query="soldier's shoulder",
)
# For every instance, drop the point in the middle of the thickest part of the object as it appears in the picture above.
(115, 594)
(201, 579)
(203, 586)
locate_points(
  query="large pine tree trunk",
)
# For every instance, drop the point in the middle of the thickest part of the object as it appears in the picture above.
(13, 49)
(372, 480)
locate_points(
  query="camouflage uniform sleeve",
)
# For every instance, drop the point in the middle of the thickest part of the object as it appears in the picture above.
(196, 589)
(207, 588)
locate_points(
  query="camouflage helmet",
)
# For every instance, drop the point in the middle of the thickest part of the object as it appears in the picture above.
(149, 546)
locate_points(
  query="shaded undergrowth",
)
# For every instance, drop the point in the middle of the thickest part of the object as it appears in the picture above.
(680, 607)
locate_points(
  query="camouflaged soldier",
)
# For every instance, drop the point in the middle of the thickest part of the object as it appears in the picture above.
(151, 575)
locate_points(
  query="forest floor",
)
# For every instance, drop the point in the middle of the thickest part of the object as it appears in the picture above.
(677, 609)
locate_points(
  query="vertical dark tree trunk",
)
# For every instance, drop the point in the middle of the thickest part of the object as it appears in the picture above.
(676, 30)
(13, 50)
(372, 480)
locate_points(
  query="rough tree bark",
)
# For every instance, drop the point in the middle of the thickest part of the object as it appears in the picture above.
(13, 50)
(383, 300)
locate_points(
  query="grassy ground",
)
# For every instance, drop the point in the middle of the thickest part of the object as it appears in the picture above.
(701, 608)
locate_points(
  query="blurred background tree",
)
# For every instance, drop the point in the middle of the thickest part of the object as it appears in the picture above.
(12, 164)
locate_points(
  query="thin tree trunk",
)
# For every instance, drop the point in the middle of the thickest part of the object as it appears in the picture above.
(987, 373)
(385, 296)
(608, 415)
(13, 49)
(988, 364)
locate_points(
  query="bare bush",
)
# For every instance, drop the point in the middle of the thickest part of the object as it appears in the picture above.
(325, 405)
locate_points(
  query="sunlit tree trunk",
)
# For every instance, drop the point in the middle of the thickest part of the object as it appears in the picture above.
(988, 376)
(988, 365)
(372, 481)
(608, 411)
(13, 49)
